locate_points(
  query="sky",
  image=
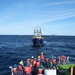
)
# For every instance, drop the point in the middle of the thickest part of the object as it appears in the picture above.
(55, 17)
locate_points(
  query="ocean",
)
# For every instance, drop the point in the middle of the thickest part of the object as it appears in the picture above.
(14, 48)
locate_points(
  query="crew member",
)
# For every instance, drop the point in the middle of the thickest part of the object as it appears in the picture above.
(54, 62)
(15, 71)
(38, 58)
(27, 70)
(34, 62)
(20, 68)
(47, 63)
(42, 56)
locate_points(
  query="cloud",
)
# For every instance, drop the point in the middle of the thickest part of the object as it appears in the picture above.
(59, 16)
(59, 3)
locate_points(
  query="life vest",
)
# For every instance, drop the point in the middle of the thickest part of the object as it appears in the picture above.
(40, 71)
(54, 61)
(42, 56)
(34, 62)
(30, 66)
(27, 70)
(37, 64)
(20, 67)
(47, 59)
(15, 70)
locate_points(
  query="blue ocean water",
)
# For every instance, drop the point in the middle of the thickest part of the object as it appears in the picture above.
(14, 48)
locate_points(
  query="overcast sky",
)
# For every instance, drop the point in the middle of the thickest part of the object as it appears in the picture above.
(18, 17)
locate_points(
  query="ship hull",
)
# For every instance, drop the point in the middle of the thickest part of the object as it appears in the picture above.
(37, 41)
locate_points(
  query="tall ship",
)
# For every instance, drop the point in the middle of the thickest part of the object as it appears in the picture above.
(37, 38)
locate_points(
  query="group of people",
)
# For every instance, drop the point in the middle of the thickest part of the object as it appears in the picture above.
(34, 66)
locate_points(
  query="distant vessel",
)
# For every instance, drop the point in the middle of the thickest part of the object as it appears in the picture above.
(37, 37)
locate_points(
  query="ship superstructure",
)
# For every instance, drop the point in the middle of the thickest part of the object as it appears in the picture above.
(37, 37)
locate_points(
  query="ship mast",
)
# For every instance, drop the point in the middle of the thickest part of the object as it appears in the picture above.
(37, 31)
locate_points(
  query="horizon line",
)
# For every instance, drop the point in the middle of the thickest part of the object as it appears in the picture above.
(32, 35)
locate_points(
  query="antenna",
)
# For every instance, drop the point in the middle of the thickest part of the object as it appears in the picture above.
(37, 31)
(37, 27)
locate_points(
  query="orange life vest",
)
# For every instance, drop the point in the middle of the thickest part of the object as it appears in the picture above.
(20, 67)
(39, 71)
(53, 61)
(34, 62)
(42, 56)
(47, 59)
(30, 66)
(27, 70)
(15, 70)
(37, 64)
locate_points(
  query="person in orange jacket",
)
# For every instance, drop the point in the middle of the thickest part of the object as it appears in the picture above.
(47, 63)
(34, 70)
(27, 70)
(20, 68)
(54, 62)
(42, 56)
(15, 71)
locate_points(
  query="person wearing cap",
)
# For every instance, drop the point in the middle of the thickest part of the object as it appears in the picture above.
(31, 60)
(34, 70)
(15, 71)
(43, 60)
(20, 68)
(42, 56)
(38, 58)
